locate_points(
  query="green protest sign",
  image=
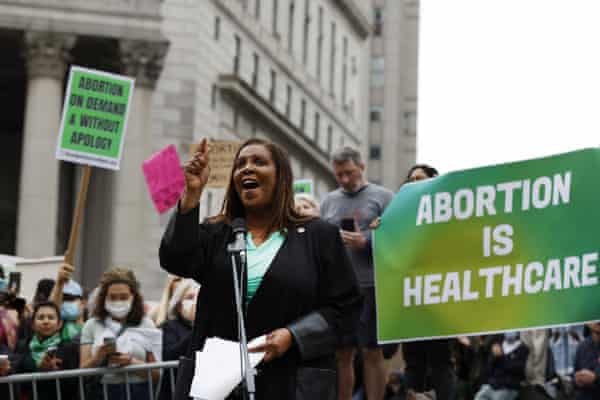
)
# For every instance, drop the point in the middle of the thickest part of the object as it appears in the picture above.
(507, 247)
(94, 118)
(305, 186)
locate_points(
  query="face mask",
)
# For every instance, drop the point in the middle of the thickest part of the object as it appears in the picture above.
(186, 306)
(511, 336)
(118, 309)
(70, 310)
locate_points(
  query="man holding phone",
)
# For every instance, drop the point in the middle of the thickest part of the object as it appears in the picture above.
(352, 207)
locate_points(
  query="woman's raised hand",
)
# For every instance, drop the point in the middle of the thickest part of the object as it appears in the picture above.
(196, 172)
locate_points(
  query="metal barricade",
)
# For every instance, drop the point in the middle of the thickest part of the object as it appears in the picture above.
(57, 376)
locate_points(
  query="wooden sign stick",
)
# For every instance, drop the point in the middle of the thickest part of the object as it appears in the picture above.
(78, 214)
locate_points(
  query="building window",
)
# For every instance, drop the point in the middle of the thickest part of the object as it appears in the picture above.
(329, 138)
(317, 127)
(375, 153)
(288, 102)
(217, 27)
(275, 18)
(378, 21)
(375, 114)
(303, 115)
(344, 70)
(320, 44)
(410, 122)
(238, 54)
(273, 86)
(377, 72)
(306, 31)
(213, 96)
(332, 62)
(257, 9)
(236, 119)
(255, 72)
(291, 27)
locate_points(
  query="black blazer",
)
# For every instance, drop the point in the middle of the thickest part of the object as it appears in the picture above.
(310, 288)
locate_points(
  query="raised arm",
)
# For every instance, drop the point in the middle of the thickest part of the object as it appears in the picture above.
(180, 249)
(63, 276)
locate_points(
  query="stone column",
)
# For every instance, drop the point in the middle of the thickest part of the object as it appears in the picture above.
(46, 56)
(130, 217)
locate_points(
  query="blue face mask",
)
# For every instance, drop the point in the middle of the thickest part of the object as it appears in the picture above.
(70, 310)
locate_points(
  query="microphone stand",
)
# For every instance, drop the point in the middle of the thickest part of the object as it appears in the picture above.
(238, 247)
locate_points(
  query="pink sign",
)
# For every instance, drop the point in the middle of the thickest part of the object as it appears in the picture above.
(164, 178)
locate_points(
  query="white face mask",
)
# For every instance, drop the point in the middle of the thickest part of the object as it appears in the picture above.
(186, 306)
(118, 309)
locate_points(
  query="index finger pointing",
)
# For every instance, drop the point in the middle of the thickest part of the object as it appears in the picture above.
(204, 146)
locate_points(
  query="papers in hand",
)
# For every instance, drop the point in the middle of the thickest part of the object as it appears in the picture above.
(218, 369)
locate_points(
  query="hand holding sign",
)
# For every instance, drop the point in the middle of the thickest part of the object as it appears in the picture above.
(196, 172)
(164, 178)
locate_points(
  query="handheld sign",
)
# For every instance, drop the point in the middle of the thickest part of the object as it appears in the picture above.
(507, 247)
(94, 121)
(164, 178)
(305, 186)
(221, 157)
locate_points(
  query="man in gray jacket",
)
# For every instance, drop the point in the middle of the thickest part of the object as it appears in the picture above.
(352, 207)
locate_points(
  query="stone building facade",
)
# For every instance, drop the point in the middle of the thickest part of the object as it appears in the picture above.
(293, 71)
(393, 110)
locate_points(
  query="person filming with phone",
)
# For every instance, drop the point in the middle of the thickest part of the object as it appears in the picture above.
(46, 351)
(119, 335)
(352, 207)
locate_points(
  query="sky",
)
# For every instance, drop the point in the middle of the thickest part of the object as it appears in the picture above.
(507, 80)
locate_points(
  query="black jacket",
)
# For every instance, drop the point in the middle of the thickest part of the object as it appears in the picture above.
(68, 352)
(508, 370)
(310, 288)
(177, 335)
(588, 357)
(176, 338)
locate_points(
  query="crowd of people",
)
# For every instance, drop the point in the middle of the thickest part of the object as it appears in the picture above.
(314, 302)
(65, 327)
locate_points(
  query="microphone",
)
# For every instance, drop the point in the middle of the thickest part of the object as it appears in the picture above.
(239, 231)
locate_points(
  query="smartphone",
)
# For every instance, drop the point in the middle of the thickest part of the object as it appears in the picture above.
(109, 341)
(347, 224)
(14, 282)
(51, 351)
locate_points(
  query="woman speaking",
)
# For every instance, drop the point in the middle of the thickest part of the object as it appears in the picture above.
(301, 289)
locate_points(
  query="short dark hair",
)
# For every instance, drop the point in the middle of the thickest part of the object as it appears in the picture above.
(346, 153)
(428, 169)
(43, 304)
(284, 214)
(127, 277)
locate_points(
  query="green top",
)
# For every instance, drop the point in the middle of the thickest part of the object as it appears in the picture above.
(259, 259)
(70, 331)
